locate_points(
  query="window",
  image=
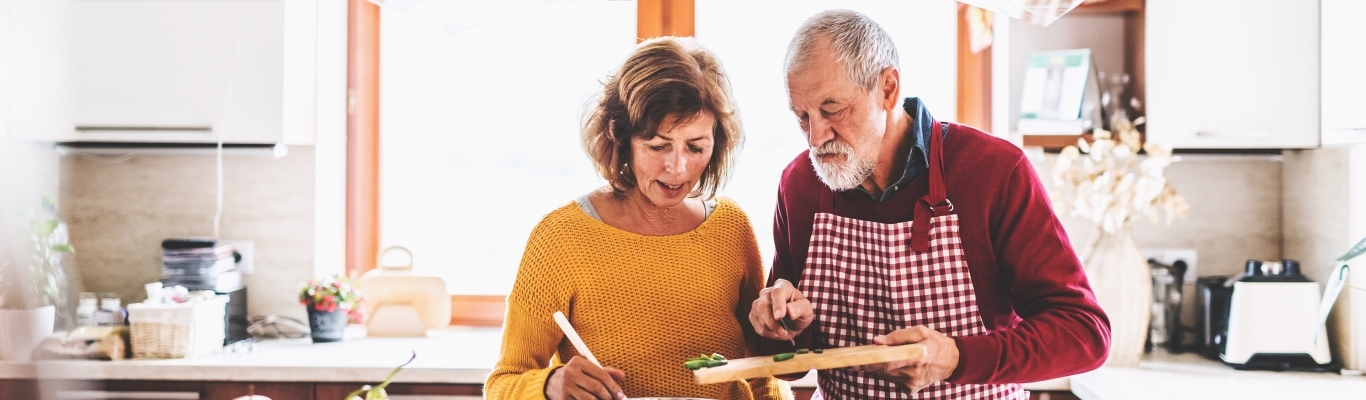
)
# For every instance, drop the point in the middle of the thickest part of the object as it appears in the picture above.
(480, 133)
(480, 128)
(751, 39)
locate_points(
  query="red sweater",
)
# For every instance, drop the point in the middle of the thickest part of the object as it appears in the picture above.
(1042, 319)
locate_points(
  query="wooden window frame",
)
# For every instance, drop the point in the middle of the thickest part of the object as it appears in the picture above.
(653, 18)
(362, 137)
(974, 76)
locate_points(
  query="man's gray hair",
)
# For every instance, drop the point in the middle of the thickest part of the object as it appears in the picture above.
(858, 41)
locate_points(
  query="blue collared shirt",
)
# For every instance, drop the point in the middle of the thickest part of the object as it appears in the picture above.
(917, 160)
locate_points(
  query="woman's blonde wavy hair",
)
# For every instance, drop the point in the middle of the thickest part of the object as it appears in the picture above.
(664, 76)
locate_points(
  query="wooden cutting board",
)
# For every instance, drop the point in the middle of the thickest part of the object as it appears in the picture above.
(758, 367)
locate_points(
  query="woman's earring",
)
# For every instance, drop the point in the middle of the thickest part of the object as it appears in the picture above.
(624, 168)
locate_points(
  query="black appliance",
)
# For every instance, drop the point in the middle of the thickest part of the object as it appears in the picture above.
(1212, 299)
(236, 316)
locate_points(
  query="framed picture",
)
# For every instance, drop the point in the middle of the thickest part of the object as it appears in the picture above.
(1055, 92)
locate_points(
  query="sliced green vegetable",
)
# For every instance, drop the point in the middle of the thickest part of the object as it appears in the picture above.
(694, 365)
(802, 351)
(783, 356)
(716, 363)
(717, 356)
(818, 350)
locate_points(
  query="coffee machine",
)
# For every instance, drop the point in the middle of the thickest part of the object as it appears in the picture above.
(1264, 319)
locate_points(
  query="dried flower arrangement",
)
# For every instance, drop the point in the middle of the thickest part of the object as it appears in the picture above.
(1107, 182)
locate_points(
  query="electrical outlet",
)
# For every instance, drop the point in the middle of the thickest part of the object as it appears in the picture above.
(1169, 256)
(248, 251)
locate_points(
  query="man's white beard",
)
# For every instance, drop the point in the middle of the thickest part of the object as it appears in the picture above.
(841, 175)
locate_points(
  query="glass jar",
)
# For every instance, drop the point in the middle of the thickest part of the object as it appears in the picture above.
(85, 309)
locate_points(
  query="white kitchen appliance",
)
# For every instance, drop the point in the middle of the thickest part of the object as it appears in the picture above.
(401, 303)
(1273, 320)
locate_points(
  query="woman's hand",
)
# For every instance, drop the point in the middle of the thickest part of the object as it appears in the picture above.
(580, 379)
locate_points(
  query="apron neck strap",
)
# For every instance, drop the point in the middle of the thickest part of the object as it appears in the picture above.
(827, 204)
(936, 202)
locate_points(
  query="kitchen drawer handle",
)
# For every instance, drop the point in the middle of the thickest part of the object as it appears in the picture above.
(1248, 134)
(106, 395)
(99, 129)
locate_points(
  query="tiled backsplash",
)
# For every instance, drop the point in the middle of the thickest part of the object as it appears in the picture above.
(1235, 215)
(119, 210)
(1235, 212)
(1325, 203)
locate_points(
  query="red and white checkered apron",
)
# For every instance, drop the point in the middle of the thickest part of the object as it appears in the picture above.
(866, 279)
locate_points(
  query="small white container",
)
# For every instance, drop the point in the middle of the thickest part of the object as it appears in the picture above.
(85, 311)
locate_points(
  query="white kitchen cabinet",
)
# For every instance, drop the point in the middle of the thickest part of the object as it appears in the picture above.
(1233, 74)
(162, 71)
(1343, 60)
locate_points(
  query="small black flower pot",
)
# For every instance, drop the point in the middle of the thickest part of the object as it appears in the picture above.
(326, 326)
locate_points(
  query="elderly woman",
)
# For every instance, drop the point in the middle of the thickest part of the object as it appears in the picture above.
(652, 268)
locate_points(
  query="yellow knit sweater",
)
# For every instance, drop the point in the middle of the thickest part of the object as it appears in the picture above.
(642, 304)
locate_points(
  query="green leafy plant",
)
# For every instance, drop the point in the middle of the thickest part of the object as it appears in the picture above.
(46, 273)
(1355, 252)
(377, 392)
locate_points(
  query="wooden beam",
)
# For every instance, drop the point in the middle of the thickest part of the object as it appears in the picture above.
(1101, 7)
(974, 78)
(362, 137)
(1133, 51)
(655, 18)
(472, 310)
(1055, 142)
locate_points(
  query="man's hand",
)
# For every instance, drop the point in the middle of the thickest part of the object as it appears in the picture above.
(774, 303)
(580, 379)
(938, 364)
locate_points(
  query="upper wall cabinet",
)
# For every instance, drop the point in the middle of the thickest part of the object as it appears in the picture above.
(1235, 74)
(1343, 63)
(161, 71)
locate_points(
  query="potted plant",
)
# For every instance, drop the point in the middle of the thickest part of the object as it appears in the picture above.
(332, 302)
(377, 392)
(30, 297)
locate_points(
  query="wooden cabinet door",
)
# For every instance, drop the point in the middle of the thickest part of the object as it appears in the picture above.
(404, 391)
(18, 389)
(275, 391)
(158, 389)
(1232, 74)
(1343, 60)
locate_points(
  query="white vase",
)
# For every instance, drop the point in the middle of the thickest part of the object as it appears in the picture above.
(21, 330)
(1122, 281)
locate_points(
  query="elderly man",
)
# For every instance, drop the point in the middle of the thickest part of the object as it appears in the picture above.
(896, 228)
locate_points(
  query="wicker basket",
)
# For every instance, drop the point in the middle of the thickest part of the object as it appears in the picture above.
(177, 330)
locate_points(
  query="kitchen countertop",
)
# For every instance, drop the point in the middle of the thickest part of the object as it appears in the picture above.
(463, 355)
(449, 356)
(1189, 376)
(455, 355)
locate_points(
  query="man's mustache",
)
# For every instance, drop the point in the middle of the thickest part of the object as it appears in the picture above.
(832, 147)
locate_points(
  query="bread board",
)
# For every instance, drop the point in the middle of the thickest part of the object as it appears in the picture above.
(758, 367)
